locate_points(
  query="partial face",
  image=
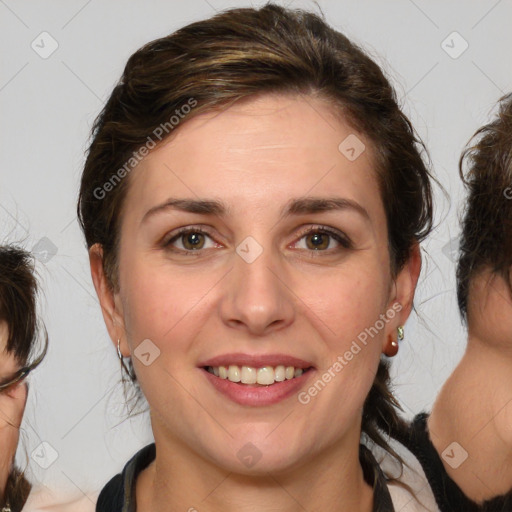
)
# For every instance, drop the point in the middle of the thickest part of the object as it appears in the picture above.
(12, 405)
(490, 310)
(252, 247)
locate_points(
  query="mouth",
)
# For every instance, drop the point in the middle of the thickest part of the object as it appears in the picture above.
(267, 392)
(257, 376)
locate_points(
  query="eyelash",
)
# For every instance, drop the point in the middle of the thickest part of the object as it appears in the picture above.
(342, 239)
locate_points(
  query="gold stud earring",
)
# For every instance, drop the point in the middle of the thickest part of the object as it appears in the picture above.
(400, 331)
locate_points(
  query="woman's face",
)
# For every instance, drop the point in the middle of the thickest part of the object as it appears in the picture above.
(12, 405)
(285, 264)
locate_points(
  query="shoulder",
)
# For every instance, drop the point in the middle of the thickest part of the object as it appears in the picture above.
(120, 490)
(409, 489)
(407, 483)
(448, 494)
(41, 498)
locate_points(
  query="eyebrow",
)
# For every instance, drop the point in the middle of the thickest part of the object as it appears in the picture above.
(298, 206)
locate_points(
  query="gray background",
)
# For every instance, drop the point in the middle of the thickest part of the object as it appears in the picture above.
(47, 108)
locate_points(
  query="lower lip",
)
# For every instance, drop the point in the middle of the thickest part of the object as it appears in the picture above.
(256, 395)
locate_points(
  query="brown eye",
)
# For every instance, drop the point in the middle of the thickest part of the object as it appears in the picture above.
(318, 241)
(193, 240)
(322, 239)
(189, 241)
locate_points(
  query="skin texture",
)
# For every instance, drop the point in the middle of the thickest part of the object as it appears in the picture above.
(12, 406)
(255, 157)
(474, 407)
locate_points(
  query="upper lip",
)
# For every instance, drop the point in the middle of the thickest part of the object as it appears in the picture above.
(256, 361)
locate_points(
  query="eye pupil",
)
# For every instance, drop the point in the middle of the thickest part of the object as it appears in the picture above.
(319, 240)
(193, 239)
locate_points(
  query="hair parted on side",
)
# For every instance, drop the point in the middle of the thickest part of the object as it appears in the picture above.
(239, 54)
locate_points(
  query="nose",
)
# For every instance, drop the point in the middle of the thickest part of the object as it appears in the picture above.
(256, 297)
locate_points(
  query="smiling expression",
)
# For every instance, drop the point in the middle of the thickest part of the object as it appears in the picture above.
(248, 239)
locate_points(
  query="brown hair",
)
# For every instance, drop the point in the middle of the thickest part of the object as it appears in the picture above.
(18, 289)
(486, 238)
(238, 54)
(18, 293)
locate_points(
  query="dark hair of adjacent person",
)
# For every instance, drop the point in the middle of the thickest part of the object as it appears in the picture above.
(486, 238)
(18, 290)
(18, 293)
(236, 55)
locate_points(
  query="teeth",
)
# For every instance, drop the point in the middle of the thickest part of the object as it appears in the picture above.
(264, 376)
(234, 373)
(249, 375)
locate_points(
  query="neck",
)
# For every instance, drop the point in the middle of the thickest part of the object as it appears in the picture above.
(480, 347)
(180, 479)
(474, 408)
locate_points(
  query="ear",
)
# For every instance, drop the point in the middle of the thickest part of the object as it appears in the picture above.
(407, 280)
(403, 290)
(111, 306)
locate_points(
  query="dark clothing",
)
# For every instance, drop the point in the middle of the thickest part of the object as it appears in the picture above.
(119, 494)
(447, 493)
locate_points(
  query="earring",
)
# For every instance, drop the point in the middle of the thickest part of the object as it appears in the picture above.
(391, 348)
(400, 331)
(121, 359)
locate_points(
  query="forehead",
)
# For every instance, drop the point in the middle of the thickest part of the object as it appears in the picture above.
(263, 150)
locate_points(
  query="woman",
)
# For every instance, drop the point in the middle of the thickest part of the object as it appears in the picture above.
(465, 444)
(18, 339)
(252, 201)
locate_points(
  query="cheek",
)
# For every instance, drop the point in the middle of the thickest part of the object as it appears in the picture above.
(348, 300)
(161, 305)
